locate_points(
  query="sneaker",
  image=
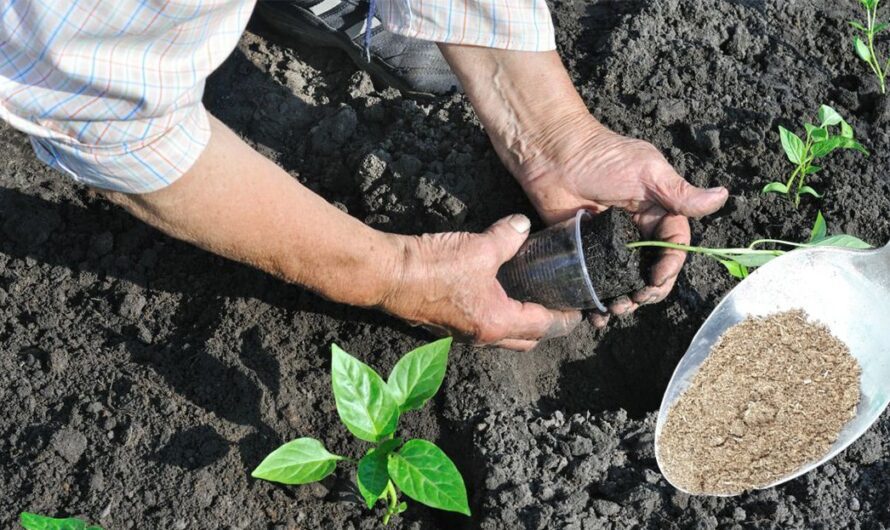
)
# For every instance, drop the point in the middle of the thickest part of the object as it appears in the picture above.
(410, 65)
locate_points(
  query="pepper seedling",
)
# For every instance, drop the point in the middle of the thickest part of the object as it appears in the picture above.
(866, 49)
(802, 153)
(32, 521)
(739, 261)
(370, 408)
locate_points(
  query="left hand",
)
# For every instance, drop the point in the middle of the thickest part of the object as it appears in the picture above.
(589, 166)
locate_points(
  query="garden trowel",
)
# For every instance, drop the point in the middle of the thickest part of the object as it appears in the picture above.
(847, 290)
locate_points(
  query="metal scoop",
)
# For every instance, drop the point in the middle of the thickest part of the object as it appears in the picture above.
(847, 290)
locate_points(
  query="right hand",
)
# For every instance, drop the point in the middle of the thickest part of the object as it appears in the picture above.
(448, 283)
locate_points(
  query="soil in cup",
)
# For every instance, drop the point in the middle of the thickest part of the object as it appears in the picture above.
(614, 269)
(772, 396)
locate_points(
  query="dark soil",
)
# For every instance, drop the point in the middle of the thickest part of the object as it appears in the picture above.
(142, 379)
(613, 268)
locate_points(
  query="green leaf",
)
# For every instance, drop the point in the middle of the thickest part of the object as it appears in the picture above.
(816, 133)
(857, 25)
(419, 374)
(824, 148)
(372, 479)
(812, 170)
(856, 146)
(793, 145)
(846, 130)
(861, 49)
(808, 190)
(837, 142)
(842, 240)
(736, 269)
(364, 402)
(426, 474)
(820, 229)
(775, 187)
(300, 461)
(828, 116)
(33, 521)
(402, 507)
(372, 476)
(881, 27)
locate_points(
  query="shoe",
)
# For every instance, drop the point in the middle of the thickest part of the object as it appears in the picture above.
(410, 65)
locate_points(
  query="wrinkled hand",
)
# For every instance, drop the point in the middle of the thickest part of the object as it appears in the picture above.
(589, 166)
(447, 283)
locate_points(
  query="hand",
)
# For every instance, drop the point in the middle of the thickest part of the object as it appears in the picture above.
(589, 166)
(565, 160)
(447, 282)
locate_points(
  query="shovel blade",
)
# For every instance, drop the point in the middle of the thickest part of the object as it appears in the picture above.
(847, 290)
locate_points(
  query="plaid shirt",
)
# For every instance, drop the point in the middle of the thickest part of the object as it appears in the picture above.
(110, 90)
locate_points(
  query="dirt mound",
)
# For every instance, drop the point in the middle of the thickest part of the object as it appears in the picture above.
(588, 470)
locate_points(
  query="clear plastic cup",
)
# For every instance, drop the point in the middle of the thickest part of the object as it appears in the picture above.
(549, 268)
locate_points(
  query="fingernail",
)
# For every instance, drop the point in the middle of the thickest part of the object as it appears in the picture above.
(716, 191)
(599, 320)
(520, 223)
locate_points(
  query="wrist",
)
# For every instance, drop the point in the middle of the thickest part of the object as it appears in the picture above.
(398, 293)
(520, 97)
(537, 122)
(361, 269)
(382, 271)
(550, 179)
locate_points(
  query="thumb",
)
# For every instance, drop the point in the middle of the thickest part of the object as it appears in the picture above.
(682, 198)
(508, 235)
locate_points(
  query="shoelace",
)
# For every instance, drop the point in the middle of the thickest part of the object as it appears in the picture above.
(369, 20)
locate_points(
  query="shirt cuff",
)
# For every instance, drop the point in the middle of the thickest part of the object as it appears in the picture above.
(521, 25)
(132, 167)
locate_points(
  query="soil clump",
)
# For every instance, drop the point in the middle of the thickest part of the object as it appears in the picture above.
(614, 269)
(773, 395)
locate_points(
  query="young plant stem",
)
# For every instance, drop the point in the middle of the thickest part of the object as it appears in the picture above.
(392, 502)
(802, 168)
(738, 261)
(875, 64)
(776, 242)
(715, 251)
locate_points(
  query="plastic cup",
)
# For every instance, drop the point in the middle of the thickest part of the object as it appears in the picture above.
(549, 268)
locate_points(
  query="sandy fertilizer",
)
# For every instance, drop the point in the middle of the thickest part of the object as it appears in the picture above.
(773, 395)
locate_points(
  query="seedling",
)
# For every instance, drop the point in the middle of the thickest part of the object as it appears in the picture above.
(866, 49)
(739, 261)
(802, 153)
(370, 407)
(32, 521)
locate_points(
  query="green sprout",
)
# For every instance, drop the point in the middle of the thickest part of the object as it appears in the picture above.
(802, 153)
(739, 261)
(32, 521)
(370, 407)
(866, 49)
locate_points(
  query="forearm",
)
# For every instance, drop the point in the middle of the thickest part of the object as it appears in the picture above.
(236, 203)
(526, 101)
